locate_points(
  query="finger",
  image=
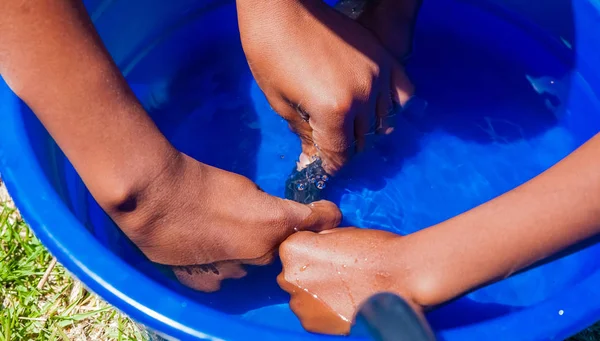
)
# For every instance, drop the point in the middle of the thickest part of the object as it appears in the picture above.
(296, 303)
(338, 230)
(314, 315)
(323, 215)
(328, 231)
(300, 125)
(297, 119)
(208, 277)
(402, 87)
(283, 284)
(295, 218)
(362, 127)
(335, 144)
(385, 113)
(266, 259)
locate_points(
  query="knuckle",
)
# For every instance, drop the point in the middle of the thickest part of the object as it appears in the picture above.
(281, 281)
(337, 104)
(293, 244)
(265, 259)
(284, 250)
(375, 69)
(336, 218)
(296, 306)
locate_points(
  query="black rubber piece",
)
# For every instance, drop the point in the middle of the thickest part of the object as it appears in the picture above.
(306, 186)
(388, 317)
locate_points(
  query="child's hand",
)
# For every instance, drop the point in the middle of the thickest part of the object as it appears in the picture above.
(204, 221)
(342, 268)
(328, 76)
(207, 222)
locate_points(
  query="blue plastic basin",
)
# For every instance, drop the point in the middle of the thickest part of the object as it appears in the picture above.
(512, 88)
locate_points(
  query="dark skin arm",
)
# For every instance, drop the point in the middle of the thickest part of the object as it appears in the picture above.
(177, 210)
(53, 59)
(327, 75)
(551, 212)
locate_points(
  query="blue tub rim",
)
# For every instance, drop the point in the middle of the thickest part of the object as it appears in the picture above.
(181, 318)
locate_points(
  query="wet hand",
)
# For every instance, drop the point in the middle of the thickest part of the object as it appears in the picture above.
(328, 76)
(207, 223)
(330, 274)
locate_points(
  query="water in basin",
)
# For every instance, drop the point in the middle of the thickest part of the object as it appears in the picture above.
(498, 114)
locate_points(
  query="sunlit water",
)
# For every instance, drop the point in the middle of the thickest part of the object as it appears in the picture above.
(503, 106)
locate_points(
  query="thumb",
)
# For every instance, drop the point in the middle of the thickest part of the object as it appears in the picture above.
(323, 215)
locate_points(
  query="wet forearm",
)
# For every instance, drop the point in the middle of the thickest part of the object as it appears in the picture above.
(555, 210)
(52, 58)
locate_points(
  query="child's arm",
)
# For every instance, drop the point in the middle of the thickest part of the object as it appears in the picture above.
(179, 211)
(557, 209)
(326, 74)
(51, 56)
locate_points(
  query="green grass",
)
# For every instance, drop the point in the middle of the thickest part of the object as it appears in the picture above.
(62, 309)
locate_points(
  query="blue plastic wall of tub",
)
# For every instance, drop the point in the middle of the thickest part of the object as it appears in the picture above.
(512, 88)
